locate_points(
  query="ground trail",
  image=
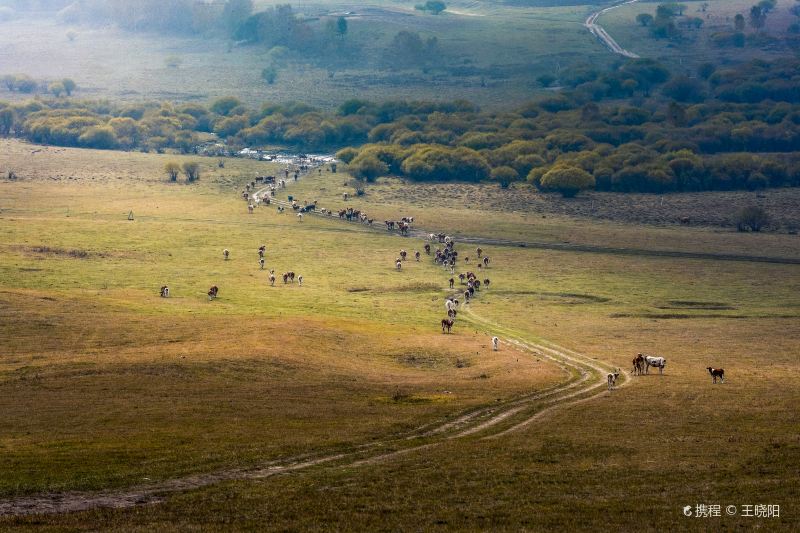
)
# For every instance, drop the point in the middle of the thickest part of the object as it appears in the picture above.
(599, 32)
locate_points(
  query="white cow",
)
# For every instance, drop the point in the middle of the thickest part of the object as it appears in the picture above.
(495, 342)
(612, 379)
(658, 362)
(450, 305)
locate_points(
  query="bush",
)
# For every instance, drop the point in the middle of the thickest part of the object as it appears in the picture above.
(172, 169)
(504, 176)
(101, 137)
(192, 171)
(25, 84)
(368, 167)
(567, 180)
(226, 104)
(346, 155)
(752, 217)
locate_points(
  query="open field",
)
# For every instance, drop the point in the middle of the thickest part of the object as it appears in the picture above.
(105, 386)
(595, 218)
(490, 54)
(695, 46)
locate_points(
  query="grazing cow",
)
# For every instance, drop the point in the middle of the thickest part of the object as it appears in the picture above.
(638, 365)
(164, 292)
(261, 250)
(452, 314)
(398, 264)
(466, 259)
(471, 291)
(486, 282)
(271, 278)
(495, 342)
(452, 282)
(416, 255)
(285, 277)
(345, 196)
(486, 261)
(447, 324)
(612, 379)
(300, 280)
(250, 208)
(261, 262)
(462, 277)
(466, 297)
(449, 305)
(212, 292)
(226, 254)
(403, 255)
(300, 217)
(291, 276)
(428, 249)
(480, 252)
(658, 362)
(280, 209)
(716, 373)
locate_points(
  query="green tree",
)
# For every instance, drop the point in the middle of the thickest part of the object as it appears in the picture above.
(738, 22)
(504, 176)
(235, 13)
(341, 27)
(223, 106)
(645, 19)
(101, 137)
(751, 217)
(435, 6)
(367, 167)
(546, 80)
(69, 85)
(346, 155)
(705, 70)
(269, 74)
(683, 89)
(172, 169)
(191, 170)
(567, 180)
(56, 89)
(25, 84)
(7, 119)
(757, 17)
(9, 81)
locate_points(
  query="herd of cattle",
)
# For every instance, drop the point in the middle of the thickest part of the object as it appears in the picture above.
(213, 292)
(445, 256)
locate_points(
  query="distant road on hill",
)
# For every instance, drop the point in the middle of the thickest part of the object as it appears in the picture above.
(598, 31)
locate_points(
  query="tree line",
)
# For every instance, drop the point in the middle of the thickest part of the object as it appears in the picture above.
(741, 131)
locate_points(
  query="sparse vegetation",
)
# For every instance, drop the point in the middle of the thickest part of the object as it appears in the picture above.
(752, 217)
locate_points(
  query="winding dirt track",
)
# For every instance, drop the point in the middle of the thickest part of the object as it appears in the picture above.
(585, 379)
(599, 32)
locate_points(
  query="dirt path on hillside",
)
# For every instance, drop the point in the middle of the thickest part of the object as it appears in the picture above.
(599, 32)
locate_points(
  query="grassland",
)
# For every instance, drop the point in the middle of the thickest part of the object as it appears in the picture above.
(104, 384)
(695, 46)
(491, 54)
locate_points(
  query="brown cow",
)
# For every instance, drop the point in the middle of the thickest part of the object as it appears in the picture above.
(447, 324)
(638, 365)
(212, 292)
(716, 373)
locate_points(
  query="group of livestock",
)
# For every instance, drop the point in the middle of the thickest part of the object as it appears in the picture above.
(447, 257)
(213, 292)
(642, 362)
